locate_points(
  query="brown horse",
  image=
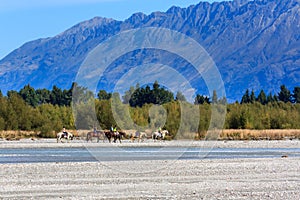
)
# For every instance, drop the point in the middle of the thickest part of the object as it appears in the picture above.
(115, 135)
(96, 134)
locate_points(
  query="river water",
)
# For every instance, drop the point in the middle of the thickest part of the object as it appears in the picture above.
(76, 154)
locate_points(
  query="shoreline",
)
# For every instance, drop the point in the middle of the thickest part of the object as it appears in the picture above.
(51, 143)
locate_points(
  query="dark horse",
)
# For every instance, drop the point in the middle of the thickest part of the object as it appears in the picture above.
(115, 135)
(96, 134)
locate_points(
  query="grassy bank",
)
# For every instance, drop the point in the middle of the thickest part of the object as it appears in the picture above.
(227, 134)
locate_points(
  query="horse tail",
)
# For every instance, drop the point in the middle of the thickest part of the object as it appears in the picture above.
(87, 137)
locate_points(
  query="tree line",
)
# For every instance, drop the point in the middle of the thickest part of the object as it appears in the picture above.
(285, 95)
(47, 111)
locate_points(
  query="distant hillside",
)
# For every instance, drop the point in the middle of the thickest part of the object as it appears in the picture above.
(255, 45)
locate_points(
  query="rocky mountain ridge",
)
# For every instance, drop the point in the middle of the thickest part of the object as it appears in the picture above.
(255, 45)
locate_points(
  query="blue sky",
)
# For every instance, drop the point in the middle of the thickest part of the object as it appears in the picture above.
(25, 20)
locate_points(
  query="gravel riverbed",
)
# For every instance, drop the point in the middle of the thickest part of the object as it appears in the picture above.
(255, 178)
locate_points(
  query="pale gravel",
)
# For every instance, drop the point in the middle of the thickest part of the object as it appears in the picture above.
(267, 178)
(51, 143)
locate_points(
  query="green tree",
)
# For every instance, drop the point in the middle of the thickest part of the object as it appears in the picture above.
(270, 98)
(296, 95)
(284, 94)
(103, 95)
(43, 96)
(29, 95)
(200, 99)
(246, 97)
(252, 97)
(20, 114)
(262, 98)
(145, 95)
(56, 96)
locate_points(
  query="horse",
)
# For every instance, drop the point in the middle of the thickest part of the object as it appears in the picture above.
(69, 136)
(141, 136)
(159, 136)
(116, 135)
(97, 134)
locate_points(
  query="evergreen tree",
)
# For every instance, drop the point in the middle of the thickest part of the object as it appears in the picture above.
(145, 95)
(284, 94)
(270, 98)
(103, 95)
(246, 97)
(296, 95)
(200, 99)
(29, 95)
(252, 97)
(56, 96)
(43, 96)
(262, 98)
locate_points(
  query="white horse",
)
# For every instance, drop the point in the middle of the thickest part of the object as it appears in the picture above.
(61, 136)
(159, 136)
(140, 136)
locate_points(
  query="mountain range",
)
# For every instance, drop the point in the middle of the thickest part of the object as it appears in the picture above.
(255, 45)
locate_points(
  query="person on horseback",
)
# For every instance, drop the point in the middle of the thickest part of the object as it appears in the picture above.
(159, 131)
(115, 131)
(65, 132)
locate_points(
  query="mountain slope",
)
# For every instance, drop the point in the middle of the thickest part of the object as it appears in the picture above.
(255, 45)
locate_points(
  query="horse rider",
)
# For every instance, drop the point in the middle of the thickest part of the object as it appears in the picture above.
(115, 131)
(159, 131)
(65, 132)
(112, 128)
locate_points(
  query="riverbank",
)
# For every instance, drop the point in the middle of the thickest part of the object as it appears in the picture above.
(51, 143)
(226, 134)
(238, 178)
(177, 179)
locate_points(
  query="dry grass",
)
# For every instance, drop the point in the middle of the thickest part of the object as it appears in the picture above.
(17, 135)
(271, 134)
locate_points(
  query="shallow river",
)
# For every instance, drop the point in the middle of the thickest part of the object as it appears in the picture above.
(32, 155)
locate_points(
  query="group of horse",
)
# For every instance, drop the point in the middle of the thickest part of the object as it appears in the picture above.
(112, 136)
